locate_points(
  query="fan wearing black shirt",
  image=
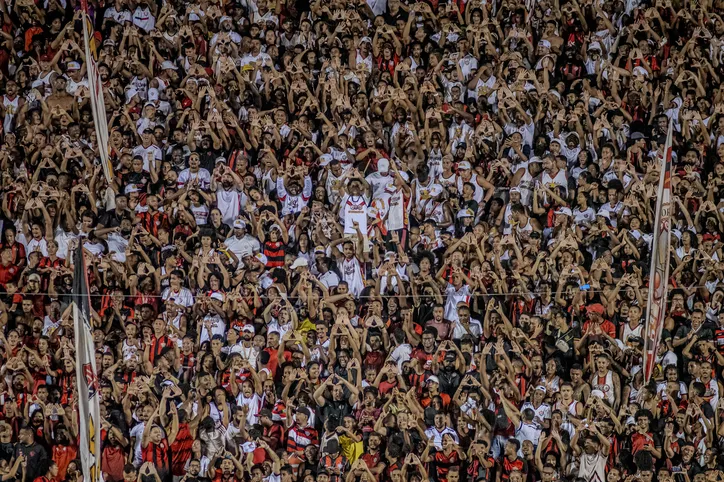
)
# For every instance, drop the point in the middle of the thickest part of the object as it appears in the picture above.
(34, 453)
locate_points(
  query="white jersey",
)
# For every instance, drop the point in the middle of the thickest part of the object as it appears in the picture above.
(42, 83)
(353, 209)
(605, 384)
(202, 176)
(332, 186)
(201, 214)
(424, 195)
(542, 413)
(593, 467)
(398, 210)
(11, 108)
(434, 162)
(449, 181)
(453, 298)
(367, 62)
(527, 431)
(570, 409)
(352, 274)
(479, 191)
(229, 203)
(293, 204)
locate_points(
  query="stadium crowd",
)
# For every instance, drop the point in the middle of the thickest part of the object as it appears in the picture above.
(363, 240)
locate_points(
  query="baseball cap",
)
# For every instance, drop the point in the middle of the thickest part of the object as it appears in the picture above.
(638, 135)
(239, 224)
(464, 165)
(320, 250)
(248, 329)
(34, 277)
(130, 94)
(299, 263)
(564, 210)
(595, 308)
(72, 66)
(383, 165)
(433, 379)
(262, 259)
(167, 64)
(465, 213)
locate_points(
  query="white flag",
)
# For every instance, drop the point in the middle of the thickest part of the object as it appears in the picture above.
(89, 412)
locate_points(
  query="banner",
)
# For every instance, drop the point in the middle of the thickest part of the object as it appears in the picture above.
(98, 104)
(86, 379)
(659, 273)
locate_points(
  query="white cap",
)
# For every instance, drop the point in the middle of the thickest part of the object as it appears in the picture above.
(465, 213)
(167, 64)
(544, 43)
(325, 159)
(383, 165)
(72, 66)
(261, 258)
(239, 224)
(597, 394)
(464, 165)
(594, 46)
(299, 263)
(130, 94)
(248, 329)
(564, 210)
(640, 71)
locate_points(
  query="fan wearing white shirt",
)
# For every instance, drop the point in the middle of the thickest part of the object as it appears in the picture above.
(195, 173)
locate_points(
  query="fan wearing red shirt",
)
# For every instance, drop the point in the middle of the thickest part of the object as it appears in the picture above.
(511, 462)
(230, 470)
(8, 271)
(373, 457)
(51, 473)
(642, 438)
(156, 448)
(595, 318)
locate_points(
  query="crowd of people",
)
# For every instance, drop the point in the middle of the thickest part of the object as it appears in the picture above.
(363, 240)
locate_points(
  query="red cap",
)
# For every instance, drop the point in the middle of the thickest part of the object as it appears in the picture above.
(595, 308)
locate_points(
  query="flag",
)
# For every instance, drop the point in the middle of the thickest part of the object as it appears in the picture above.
(659, 273)
(86, 379)
(95, 86)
